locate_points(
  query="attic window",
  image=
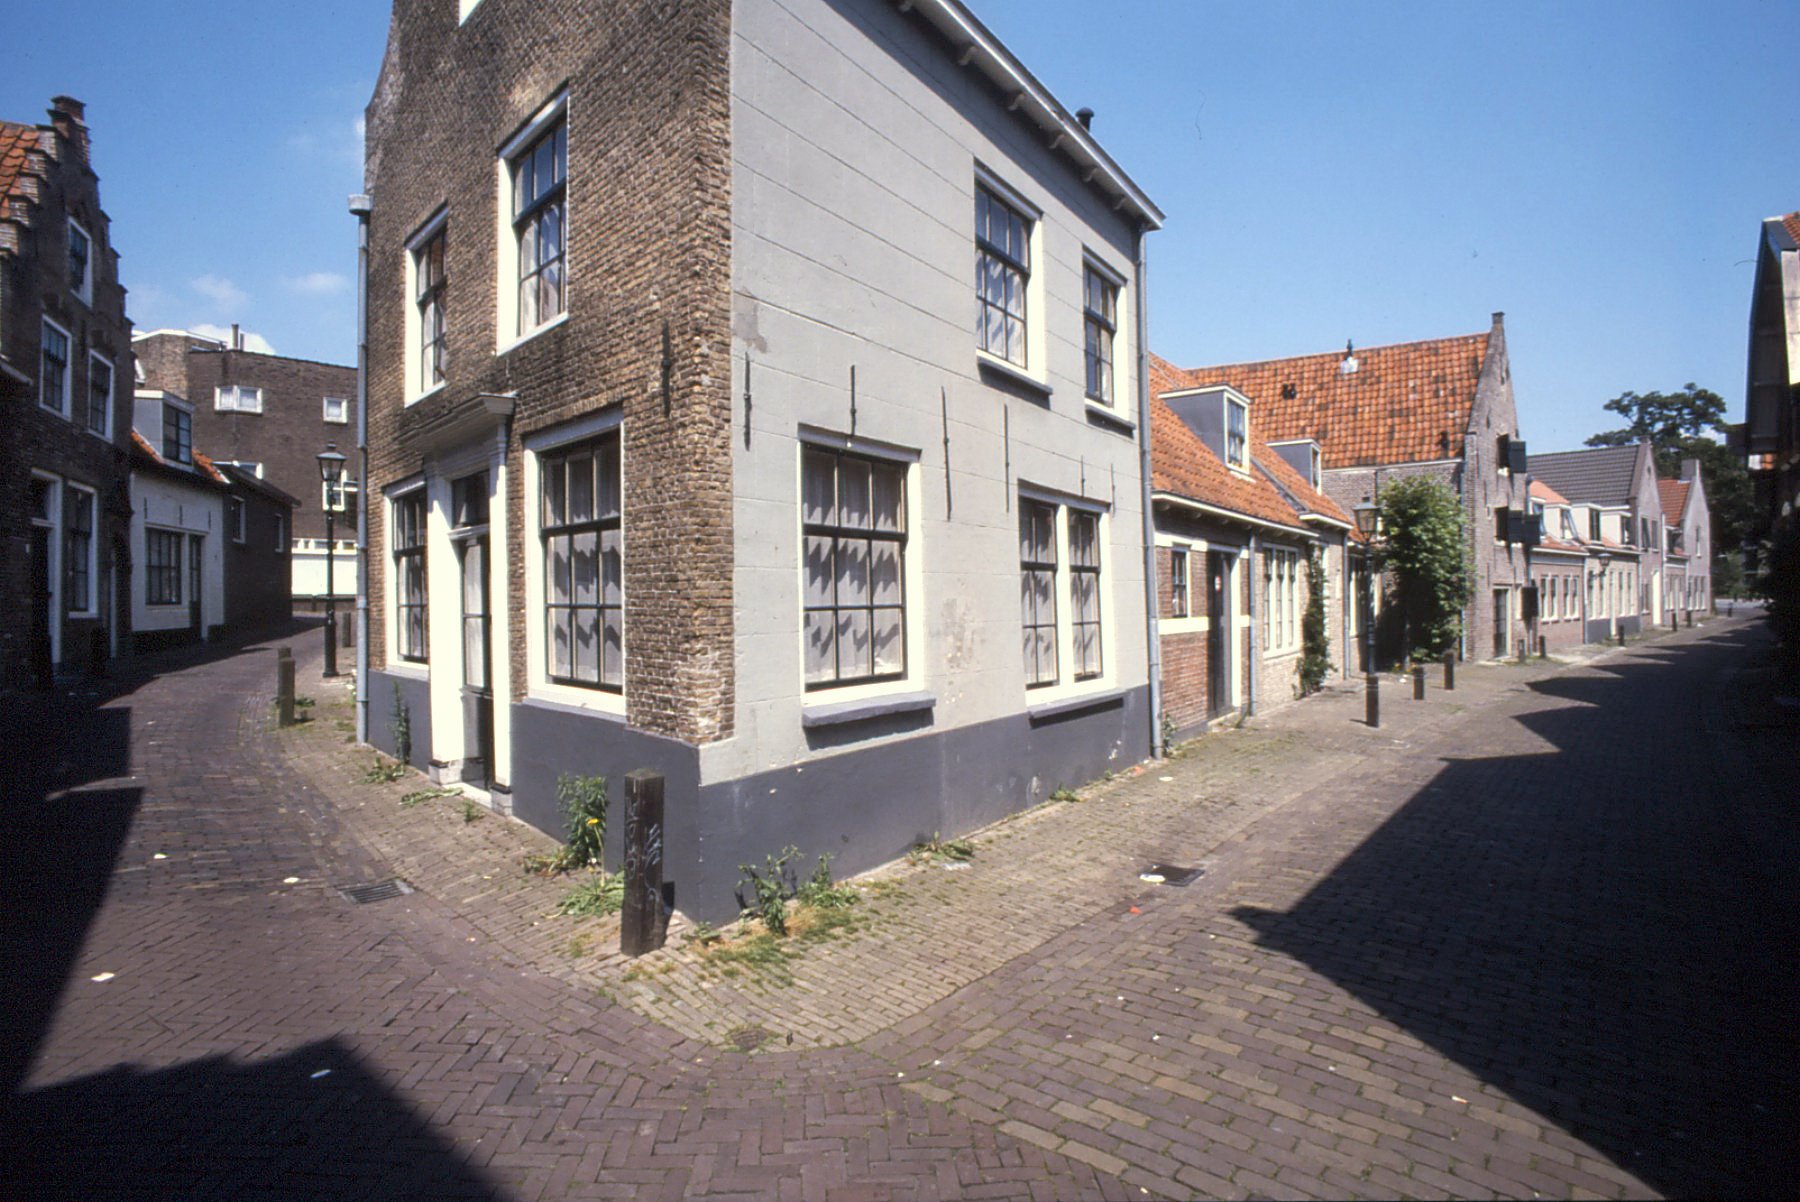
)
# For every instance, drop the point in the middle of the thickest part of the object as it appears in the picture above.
(1237, 434)
(1289, 392)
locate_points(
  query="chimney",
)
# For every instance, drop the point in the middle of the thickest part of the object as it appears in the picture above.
(237, 339)
(68, 118)
(1086, 117)
(1690, 470)
(1499, 318)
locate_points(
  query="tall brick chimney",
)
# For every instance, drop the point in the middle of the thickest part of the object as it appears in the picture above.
(68, 118)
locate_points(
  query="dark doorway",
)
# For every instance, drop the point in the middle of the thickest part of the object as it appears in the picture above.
(1502, 623)
(1218, 681)
(43, 657)
(195, 543)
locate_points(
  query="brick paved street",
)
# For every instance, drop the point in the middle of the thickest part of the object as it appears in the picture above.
(1531, 938)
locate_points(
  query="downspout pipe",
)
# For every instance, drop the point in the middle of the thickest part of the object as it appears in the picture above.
(1256, 648)
(359, 208)
(1152, 634)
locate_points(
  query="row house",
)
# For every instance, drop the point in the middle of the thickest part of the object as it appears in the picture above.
(1771, 432)
(1240, 528)
(1442, 408)
(270, 415)
(685, 454)
(1687, 520)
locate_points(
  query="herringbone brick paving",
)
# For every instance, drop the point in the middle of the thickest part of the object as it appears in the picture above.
(1498, 947)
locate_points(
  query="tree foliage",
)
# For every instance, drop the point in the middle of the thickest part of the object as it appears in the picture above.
(1315, 643)
(1679, 425)
(1427, 550)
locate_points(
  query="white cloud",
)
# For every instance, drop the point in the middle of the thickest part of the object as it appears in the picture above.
(252, 342)
(221, 292)
(317, 283)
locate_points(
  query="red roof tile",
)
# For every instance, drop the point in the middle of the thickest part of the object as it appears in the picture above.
(1791, 223)
(1185, 466)
(1407, 403)
(1674, 498)
(1543, 492)
(205, 469)
(16, 144)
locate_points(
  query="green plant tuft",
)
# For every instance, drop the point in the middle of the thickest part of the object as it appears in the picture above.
(596, 897)
(939, 850)
(383, 771)
(769, 889)
(584, 802)
(400, 726)
(1315, 644)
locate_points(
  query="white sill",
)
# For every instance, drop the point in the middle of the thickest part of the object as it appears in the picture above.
(522, 339)
(988, 362)
(429, 392)
(408, 669)
(105, 438)
(597, 702)
(878, 706)
(1110, 416)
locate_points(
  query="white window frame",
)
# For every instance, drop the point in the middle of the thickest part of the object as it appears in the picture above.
(237, 398)
(506, 308)
(1036, 353)
(1066, 686)
(412, 492)
(180, 565)
(1281, 595)
(281, 535)
(416, 389)
(84, 290)
(238, 516)
(65, 407)
(343, 409)
(538, 683)
(92, 609)
(1241, 461)
(835, 690)
(253, 466)
(112, 397)
(1121, 330)
(181, 407)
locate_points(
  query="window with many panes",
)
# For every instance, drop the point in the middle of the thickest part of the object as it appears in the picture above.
(178, 435)
(162, 567)
(53, 376)
(238, 398)
(100, 395)
(409, 575)
(430, 285)
(584, 601)
(1100, 304)
(237, 519)
(1178, 582)
(1002, 270)
(540, 225)
(1281, 594)
(853, 518)
(1037, 589)
(1084, 591)
(78, 548)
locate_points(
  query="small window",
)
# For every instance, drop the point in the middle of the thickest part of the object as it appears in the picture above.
(1178, 582)
(281, 540)
(337, 410)
(1037, 590)
(238, 520)
(53, 383)
(429, 290)
(178, 435)
(1317, 476)
(81, 263)
(236, 398)
(853, 518)
(1237, 434)
(1100, 299)
(1084, 591)
(540, 225)
(100, 396)
(162, 567)
(1002, 271)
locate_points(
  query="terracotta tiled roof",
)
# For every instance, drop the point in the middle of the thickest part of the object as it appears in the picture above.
(204, 466)
(1408, 403)
(1673, 494)
(16, 144)
(1183, 465)
(1543, 492)
(1791, 223)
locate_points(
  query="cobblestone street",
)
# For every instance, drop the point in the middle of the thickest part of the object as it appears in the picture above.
(1530, 938)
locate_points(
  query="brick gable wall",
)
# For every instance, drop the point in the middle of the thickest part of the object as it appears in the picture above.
(649, 268)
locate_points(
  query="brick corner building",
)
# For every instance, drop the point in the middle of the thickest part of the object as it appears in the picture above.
(683, 454)
(65, 367)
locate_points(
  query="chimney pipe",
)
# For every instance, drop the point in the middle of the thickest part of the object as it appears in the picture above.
(1086, 117)
(237, 339)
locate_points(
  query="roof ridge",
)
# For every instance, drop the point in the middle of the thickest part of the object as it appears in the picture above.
(1333, 354)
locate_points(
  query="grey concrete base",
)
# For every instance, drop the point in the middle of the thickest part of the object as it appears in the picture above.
(863, 806)
(414, 696)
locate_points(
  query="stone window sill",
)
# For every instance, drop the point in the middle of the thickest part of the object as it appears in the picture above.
(862, 711)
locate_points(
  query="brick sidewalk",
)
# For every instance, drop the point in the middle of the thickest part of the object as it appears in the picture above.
(1499, 946)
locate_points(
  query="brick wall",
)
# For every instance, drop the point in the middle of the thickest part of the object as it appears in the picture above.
(59, 184)
(649, 269)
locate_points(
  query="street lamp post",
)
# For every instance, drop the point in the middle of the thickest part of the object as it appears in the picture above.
(1366, 521)
(331, 471)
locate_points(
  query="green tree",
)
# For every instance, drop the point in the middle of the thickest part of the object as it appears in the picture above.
(1679, 425)
(1427, 549)
(1315, 645)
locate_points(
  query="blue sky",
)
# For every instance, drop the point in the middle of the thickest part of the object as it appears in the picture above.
(1381, 173)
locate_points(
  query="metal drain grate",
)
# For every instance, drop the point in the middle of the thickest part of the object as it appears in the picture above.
(1169, 874)
(362, 895)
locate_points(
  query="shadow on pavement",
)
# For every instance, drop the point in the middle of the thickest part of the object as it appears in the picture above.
(1603, 930)
(310, 1124)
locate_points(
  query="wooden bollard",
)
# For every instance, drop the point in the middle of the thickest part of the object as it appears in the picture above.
(284, 686)
(1543, 647)
(1372, 700)
(642, 920)
(1418, 684)
(1449, 671)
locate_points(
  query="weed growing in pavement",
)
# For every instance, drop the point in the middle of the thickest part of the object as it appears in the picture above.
(820, 892)
(472, 811)
(578, 945)
(383, 771)
(421, 796)
(1064, 793)
(937, 850)
(769, 890)
(304, 703)
(703, 933)
(595, 898)
(584, 803)
(400, 726)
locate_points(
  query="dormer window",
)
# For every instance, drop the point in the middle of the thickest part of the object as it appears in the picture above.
(1237, 434)
(178, 435)
(1317, 475)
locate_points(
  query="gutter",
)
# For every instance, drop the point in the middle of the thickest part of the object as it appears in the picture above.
(1152, 630)
(359, 207)
(1234, 515)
